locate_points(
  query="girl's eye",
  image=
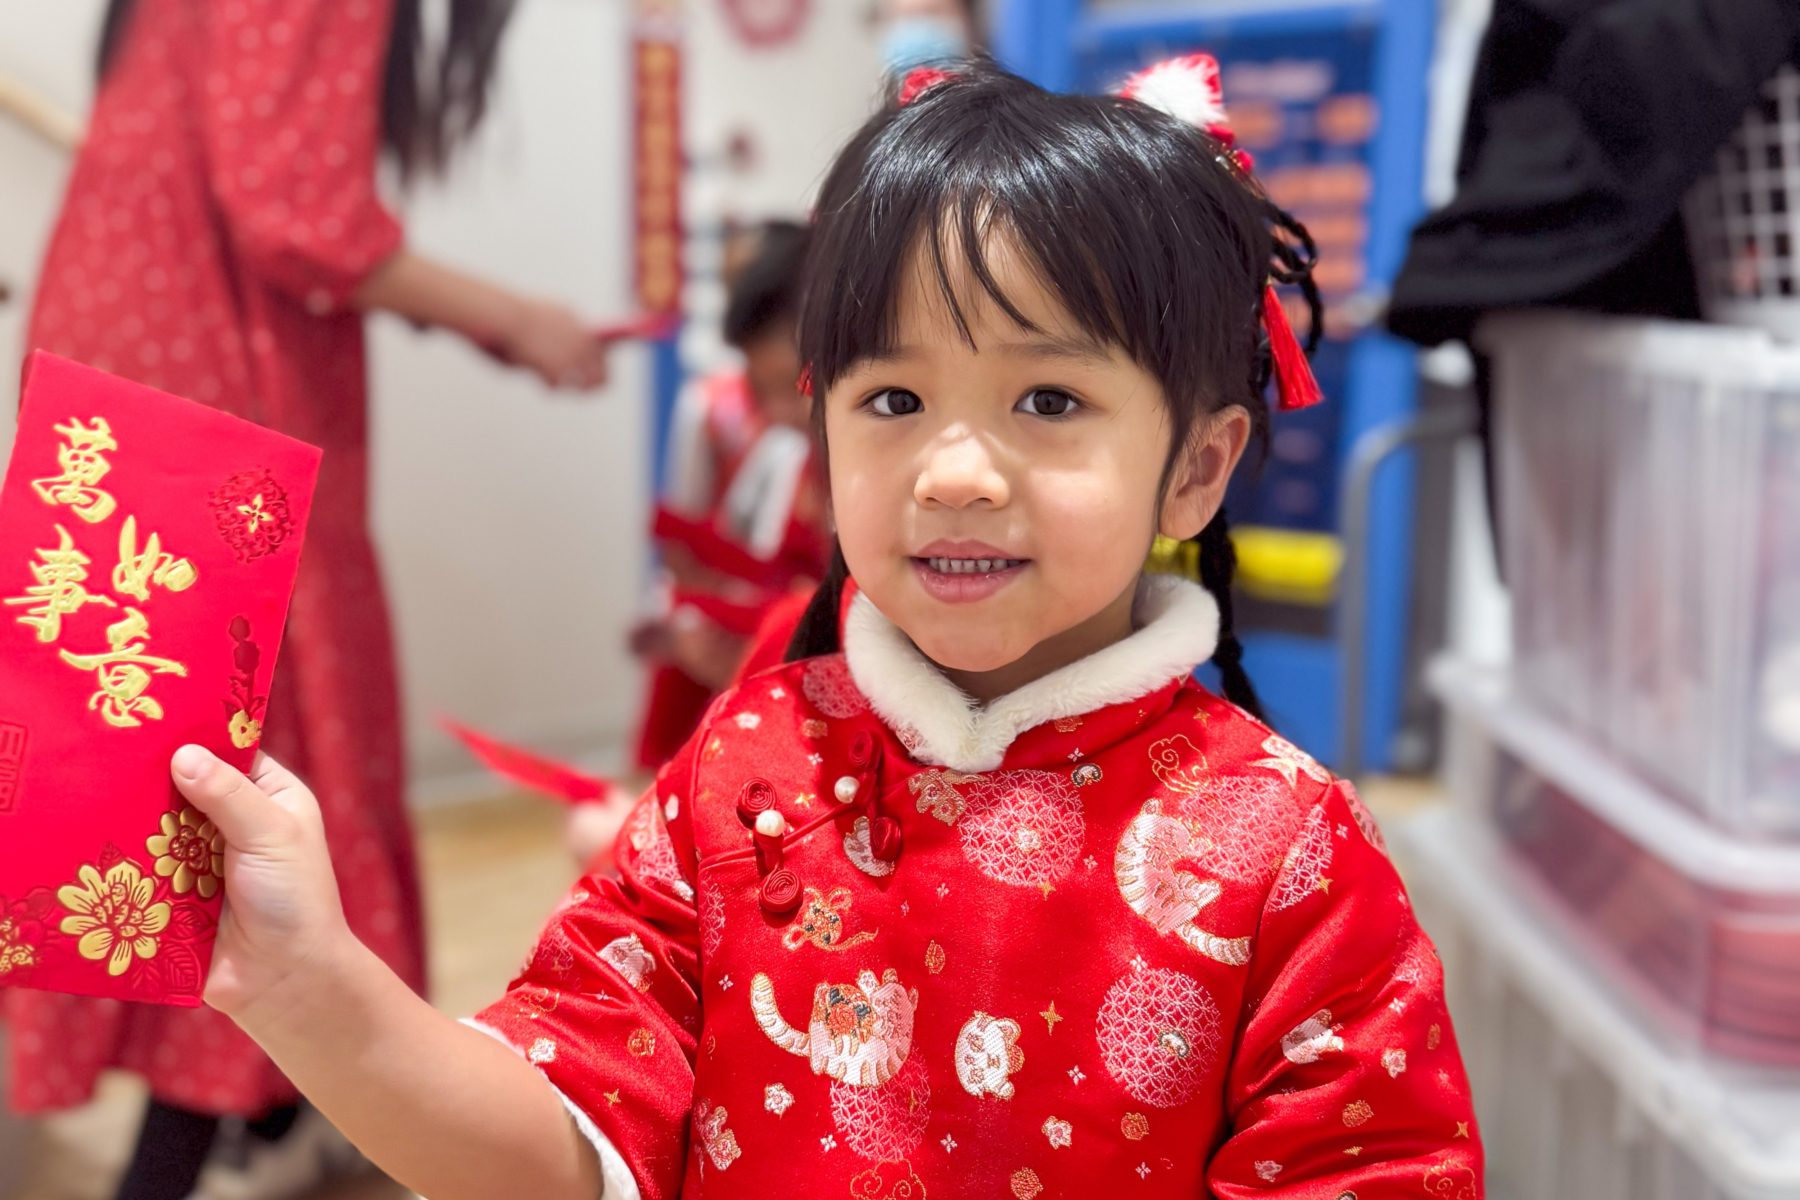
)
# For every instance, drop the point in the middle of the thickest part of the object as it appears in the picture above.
(1048, 402)
(895, 402)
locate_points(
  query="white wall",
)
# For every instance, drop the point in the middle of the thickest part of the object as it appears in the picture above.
(795, 103)
(47, 48)
(511, 521)
(798, 101)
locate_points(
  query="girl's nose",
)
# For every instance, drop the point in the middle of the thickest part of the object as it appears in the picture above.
(961, 470)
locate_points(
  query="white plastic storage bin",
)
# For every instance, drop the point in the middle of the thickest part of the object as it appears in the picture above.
(1577, 1100)
(1649, 491)
(1695, 930)
(1744, 216)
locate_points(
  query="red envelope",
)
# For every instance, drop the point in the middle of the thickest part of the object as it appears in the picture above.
(534, 771)
(646, 326)
(147, 554)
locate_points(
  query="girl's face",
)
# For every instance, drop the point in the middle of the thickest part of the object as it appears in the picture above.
(997, 501)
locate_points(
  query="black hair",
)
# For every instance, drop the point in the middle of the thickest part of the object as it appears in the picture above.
(766, 291)
(432, 97)
(1144, 228)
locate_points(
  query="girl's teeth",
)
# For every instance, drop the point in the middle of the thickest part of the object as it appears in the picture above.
(971, 566)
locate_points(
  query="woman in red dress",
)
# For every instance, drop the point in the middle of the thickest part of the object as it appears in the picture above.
(221, 238)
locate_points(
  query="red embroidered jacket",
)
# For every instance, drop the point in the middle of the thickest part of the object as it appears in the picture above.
(1149, 949)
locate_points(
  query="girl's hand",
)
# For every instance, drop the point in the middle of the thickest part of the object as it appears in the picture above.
(282, 916)
(593, 827)
(650, 640)
(558, 346)
(705, 653)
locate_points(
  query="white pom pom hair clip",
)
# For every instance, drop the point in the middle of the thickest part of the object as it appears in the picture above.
(1188, 88)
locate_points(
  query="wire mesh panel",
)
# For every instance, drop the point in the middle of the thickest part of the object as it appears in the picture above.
(1744, 216)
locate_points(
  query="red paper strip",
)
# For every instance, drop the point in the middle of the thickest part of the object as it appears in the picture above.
(148, 547)
(649, 327)
(533, 771)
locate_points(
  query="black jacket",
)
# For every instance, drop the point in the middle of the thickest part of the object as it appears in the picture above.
(1589, 121)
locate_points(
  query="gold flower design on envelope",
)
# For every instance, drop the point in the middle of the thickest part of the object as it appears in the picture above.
(189, 852)
(16, 951)
(112, 915)
(246, 730)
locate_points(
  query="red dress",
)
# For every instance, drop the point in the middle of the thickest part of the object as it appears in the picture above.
(220, 215)
(1126, 942)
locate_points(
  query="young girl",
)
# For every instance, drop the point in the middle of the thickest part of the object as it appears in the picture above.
(992, 900)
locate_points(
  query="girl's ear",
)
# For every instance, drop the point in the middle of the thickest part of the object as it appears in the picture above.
(1201, 472)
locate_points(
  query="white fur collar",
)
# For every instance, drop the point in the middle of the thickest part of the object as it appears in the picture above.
(1178, 628)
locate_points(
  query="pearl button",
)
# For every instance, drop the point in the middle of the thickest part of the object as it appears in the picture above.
(845, 788)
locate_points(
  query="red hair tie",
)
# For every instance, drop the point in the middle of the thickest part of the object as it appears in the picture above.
(804, 383)
(920, 80)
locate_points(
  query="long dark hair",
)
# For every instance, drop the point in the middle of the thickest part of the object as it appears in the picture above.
(432, 96)
(1142, 226)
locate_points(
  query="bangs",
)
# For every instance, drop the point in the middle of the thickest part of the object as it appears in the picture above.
(1115, 210)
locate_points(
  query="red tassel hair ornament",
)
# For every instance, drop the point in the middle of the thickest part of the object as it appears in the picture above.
(1295, 382)
(1188, 88)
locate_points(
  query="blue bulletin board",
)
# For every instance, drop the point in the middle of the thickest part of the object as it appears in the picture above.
(1331, 99)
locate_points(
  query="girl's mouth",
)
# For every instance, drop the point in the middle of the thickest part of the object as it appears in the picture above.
(966, 580)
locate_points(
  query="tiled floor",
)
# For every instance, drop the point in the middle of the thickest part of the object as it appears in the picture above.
(493, 872)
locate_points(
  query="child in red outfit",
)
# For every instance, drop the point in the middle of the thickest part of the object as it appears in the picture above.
(980, 894)
(742, 525)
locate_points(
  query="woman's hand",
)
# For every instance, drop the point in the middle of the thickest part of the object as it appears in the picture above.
(545, 338)
(283, 919)
(557, 345)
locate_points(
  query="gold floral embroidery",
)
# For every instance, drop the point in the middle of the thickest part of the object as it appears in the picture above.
(1434, 1037)
(541, 1002)
(1025, 1183)
(935, 792)
(16, 953)
(1357, 1112)
(190, 853)
(113, 915)
(642, 1042)
(1452, 1180)
(720, 1142)
(820, 922)
(1179, 765)
(1135, 1126)
(934, 959)
(1290, 762)
(893, 1180)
